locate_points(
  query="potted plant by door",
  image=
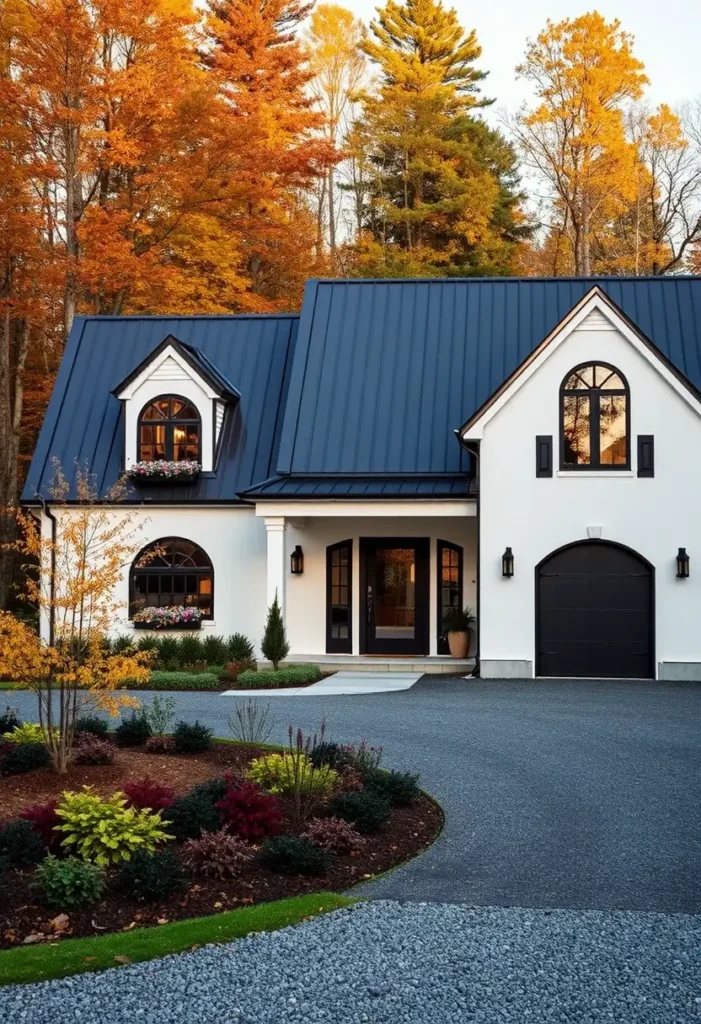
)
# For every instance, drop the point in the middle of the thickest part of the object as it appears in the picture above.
(457, 623)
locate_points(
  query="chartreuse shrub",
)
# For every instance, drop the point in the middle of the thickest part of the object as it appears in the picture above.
(107, 831)
(24, 757)
(294, 855)
(281, 773)
(20, 845)
(269, 678)
(27, 732)
(150, 876)
(68, 883)
(364, 810)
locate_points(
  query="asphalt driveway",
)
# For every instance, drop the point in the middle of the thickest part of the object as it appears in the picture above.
(569, 794)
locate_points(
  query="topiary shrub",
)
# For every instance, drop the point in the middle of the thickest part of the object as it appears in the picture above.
(9, 720)
(150, 876)
(160, 745)
(43, 819)
(274, 644)
(192, 739)
(249, 812)
(68, 884)
(90, 749)
(189, 816)
(400, 788)
(180, 680)
(334, 835)
(146, 793)
(92, 724)
(133, 731)
(239, 648)
(217, 855)
(294, 855)
(24, 757)
(365, 810)
(20, 844)
(107, 831)
(282, 773)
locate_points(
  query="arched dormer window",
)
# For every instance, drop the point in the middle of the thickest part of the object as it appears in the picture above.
(169, 572)
(169, 428)
(594, 418)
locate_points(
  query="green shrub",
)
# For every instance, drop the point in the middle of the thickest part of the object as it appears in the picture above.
(92, 723)
(212, 789)
(215, 650)
(192, 738)
(20, 844)
(107, 831)
(331, 754)
(189, 649)
(191, 815)
(400, 788)
(150, 876)
(294, 855)
(365, 810)
(159, 713)
(280, 773)
(274, 644)
(183, 680)
(168, 650)
(149, 643)
(9, 719)
(69, 883)
(270, 678)
(24, 757)
(133, 731)
(239, 648)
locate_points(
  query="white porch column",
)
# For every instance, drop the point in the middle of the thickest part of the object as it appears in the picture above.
(276, 575)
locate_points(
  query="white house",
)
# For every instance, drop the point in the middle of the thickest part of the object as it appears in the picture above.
(524, 447)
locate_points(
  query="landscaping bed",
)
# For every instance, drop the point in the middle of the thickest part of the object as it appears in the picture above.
(406, 831)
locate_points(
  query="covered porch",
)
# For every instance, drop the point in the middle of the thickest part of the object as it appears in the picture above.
(363, 585)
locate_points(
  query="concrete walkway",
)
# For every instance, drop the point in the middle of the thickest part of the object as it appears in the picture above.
(340, 684)
(571, 794)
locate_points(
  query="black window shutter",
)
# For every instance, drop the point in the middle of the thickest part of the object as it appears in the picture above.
(544, 455)
(646, 455)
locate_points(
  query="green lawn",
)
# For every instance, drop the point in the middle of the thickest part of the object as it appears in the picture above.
(27, 964)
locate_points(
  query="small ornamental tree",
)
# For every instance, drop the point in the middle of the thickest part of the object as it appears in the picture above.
(274, 644)
(72, 575)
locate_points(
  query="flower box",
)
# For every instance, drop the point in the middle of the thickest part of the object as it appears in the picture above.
(162, 472)
(174, 617)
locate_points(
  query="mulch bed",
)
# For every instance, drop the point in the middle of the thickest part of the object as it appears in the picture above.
(409, 830)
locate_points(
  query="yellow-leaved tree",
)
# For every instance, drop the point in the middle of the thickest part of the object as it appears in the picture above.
(74, 571)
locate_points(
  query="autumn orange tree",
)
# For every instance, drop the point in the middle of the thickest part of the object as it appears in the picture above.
(71, 579)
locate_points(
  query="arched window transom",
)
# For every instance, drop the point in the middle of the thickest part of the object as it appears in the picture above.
(594, 418)
(172, 572)
(169, 428)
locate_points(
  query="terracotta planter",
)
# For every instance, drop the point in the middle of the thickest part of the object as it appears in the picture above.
(459, 644)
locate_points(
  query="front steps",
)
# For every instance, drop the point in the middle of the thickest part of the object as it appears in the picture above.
(433, 665)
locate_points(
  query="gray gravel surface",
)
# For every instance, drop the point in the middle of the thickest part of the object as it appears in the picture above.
(387, 963)
(573, 794)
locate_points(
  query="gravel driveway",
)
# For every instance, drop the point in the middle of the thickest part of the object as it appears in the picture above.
(383, 963)
(557, 794)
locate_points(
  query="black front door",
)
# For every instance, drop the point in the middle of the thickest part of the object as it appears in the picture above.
(394, 595)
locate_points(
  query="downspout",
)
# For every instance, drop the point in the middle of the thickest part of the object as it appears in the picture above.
(475, 453)
(52, 571)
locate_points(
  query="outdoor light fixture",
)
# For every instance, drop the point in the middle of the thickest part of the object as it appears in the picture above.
(507, 563)
(297, 561)
(682, 564)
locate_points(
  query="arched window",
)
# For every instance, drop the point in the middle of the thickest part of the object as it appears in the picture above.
(171, 572)
(594, 418)
(169, 428)
(449, 586)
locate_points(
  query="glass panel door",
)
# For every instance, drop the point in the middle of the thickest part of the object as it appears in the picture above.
(394, 593)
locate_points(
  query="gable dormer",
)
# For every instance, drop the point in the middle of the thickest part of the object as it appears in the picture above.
(175, 404)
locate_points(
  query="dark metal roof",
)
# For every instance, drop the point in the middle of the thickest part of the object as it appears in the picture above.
(319, 488)
(384, 371)
(196, 359)
(84, 421)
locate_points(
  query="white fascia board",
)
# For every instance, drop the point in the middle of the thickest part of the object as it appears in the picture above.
(168, 353)
(594, 300)
(404, 509)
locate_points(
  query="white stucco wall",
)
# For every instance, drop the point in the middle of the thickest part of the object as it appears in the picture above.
(535, 516)
(306, 595)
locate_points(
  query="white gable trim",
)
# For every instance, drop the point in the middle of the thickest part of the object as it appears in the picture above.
(169, 353)
(594, 308)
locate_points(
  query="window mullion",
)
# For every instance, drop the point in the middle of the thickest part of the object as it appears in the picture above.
(594, 420)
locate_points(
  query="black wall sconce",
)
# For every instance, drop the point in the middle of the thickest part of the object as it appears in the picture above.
(297, 561)
(682, 564)
(507, 563)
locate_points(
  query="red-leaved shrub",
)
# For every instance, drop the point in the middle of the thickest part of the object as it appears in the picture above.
(248, 811)
(217, 855)
(333, 834)
(160, 745)
(90, 749)
(43, 819)
(146, 793)
(350, 780)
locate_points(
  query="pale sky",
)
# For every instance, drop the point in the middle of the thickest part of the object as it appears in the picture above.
(667, 40)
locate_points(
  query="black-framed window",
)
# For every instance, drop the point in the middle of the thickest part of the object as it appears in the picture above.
(594, 418)
(339, 598)
(450, 573)
(169, 428)
(172, 571)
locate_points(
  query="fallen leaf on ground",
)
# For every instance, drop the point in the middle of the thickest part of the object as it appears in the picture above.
(59, 923)
(121, 959)
(89, 959)
(34, 937)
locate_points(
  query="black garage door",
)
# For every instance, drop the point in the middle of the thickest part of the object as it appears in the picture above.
(594, 613)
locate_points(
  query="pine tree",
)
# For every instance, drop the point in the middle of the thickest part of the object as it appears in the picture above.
(274, 644)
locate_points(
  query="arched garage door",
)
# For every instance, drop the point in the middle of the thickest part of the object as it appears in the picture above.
(595, 613)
